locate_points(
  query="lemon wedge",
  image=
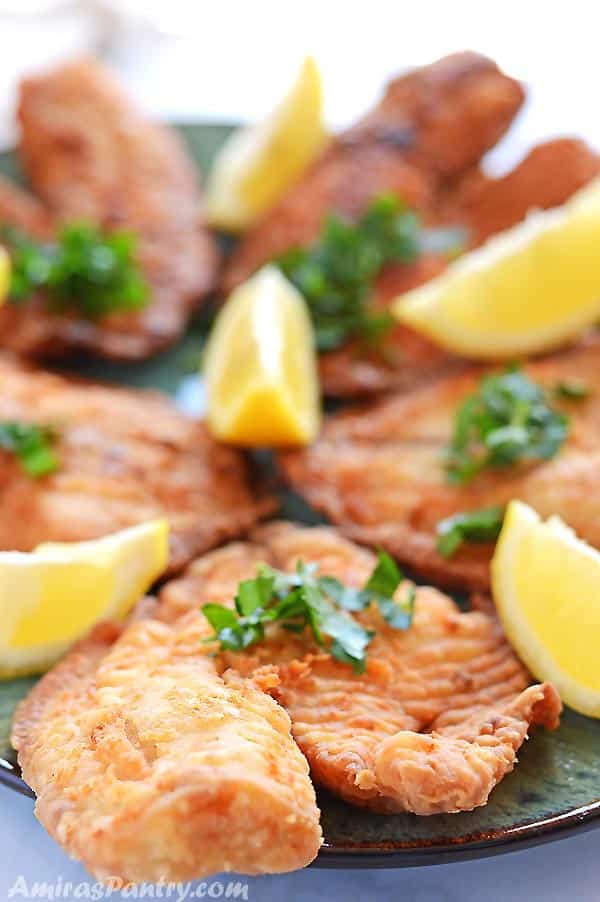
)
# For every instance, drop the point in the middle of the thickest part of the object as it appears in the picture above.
(258, 163)
(261, 368)
(56, 593)
(546, 586)
(527, 290)
(4, 274)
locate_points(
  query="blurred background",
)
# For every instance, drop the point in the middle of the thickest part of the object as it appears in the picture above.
(229, 60)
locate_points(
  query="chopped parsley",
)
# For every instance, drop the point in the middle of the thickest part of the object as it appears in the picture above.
(482, 525)
(86, 271)
(508, 419)
(303, 600)
(336, 275)
(32, 445)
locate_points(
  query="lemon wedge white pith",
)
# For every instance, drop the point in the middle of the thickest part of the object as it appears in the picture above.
(546, 587)
(53, 595)
(527, 290)
(260, 366)
(259, 162)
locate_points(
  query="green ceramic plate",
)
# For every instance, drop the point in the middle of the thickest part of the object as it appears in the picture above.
(554, 790)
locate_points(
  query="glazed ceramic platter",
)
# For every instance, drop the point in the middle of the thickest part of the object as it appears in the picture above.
(555, 788)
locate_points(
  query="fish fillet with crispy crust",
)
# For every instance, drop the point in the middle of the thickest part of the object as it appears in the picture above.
(548, 176)
(436, 720)
(431, 124)
(125, 456)
(378, 472)
(147, 765)
(90, 155)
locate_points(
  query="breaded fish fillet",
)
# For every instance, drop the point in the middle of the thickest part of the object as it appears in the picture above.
(22, 210)
(548, 176)
(431, 125)
(90, 155)
(125, 456)
(378, 473)
(433, 724)
(147, 765)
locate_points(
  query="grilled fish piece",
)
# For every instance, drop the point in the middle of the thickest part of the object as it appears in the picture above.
(378, 472)
(90, 155)
(126, 456)
(436, 720)
(149, 766)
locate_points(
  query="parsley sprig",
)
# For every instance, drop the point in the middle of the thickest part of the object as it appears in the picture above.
(86, 270)
(302, 600)
(32, 445)
(508, 419)
(481, 525)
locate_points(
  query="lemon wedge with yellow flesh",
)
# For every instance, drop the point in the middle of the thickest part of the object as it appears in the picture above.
(4, 275)
(258, 163)
(260, 366)
(53, 595)
(546, 586)
(527, 290)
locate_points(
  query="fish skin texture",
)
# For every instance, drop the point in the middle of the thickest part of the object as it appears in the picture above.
(90, 155)
(148, 765)
(126, 456)
(433, 724)
(377, 471)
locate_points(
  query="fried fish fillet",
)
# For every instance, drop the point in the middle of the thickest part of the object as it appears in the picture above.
(90, 155)
(126, 456)
(378, 472)
(548, 176)
(147, 765)
(431, 125)
(436, 720)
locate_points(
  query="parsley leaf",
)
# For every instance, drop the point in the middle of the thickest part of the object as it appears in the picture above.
(303, 600)
(506, 420)
(336, 274)
(32, 445)
(87, 271)
(482, 525)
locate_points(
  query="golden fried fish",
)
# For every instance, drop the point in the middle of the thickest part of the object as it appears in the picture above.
(378, 473)
(125, 456)
(147, 765)
(90, 155)
(431, 124)
(433, 724)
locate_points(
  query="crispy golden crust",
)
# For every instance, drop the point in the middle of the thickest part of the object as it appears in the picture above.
(378, 472)
(434, 723)
(91, 155)
(20, 209)
(430, 125)
(125, 456)
(546, 178)
(149, 766)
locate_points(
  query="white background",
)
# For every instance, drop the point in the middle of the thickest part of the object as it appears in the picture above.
(227, 60)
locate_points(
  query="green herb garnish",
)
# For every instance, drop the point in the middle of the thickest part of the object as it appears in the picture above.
(482, 525)
(335, 275)
(303, 600)
(87, 271)
(32, 445)
(507, 420)
(571, 390)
